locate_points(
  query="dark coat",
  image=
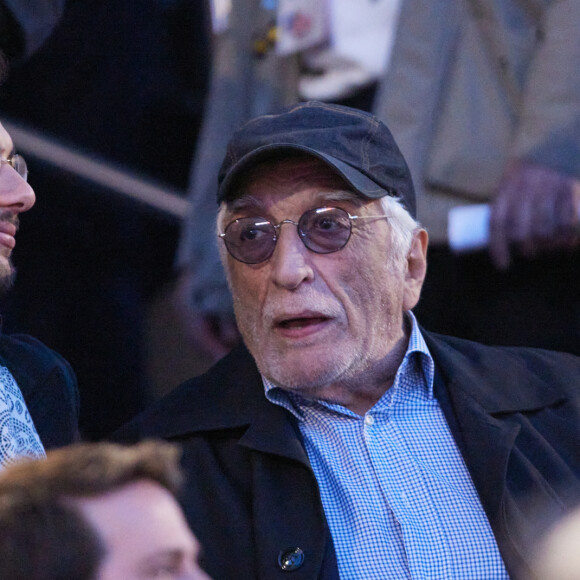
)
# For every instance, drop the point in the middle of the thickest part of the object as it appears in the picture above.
(48, 385)
(251, 494)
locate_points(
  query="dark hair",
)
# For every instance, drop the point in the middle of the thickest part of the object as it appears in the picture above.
(43, 534)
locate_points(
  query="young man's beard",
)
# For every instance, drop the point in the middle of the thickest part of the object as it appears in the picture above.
(7, 269)
(7, 276)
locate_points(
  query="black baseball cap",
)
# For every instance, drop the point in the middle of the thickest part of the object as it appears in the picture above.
(358, 146)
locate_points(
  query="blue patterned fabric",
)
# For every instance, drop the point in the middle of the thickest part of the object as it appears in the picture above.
(18, 436)
(396, 493)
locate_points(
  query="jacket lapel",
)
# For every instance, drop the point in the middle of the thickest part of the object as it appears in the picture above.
(485, 442)
(237, 400)
(480, 397)
(487, 447)
(287, 512)
(275, 432)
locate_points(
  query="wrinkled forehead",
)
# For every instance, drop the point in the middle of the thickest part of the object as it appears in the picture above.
(285, 175)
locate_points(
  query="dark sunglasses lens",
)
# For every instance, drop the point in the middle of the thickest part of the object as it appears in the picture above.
(250, 240)
(325, 230)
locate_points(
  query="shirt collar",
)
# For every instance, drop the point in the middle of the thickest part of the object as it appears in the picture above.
(418, 354)
(417, 359)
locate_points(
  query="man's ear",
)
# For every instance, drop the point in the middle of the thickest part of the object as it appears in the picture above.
(416, 269)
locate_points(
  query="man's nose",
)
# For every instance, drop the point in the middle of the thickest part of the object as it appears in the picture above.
(291, 260)
(15, 193)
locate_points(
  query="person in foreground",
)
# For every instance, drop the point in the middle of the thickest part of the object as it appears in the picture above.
(96, 511)
(343, 440)
(39, 402)
(557, 556)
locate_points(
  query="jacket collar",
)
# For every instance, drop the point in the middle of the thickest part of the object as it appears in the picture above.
(482, 382)
(229, 396)
(484, 388)
(498, 379)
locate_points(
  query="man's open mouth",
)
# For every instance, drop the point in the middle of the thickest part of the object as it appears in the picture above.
(302, 322)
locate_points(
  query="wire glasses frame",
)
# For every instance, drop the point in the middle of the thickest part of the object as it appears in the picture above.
(323, 230)
(18, 163)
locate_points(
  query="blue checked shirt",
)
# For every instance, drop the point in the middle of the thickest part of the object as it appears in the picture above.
(397, 495)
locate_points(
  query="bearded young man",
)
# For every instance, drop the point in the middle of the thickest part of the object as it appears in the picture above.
(343, 440)
(39, 402)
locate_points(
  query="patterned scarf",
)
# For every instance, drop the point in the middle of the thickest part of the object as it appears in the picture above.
(18, 436)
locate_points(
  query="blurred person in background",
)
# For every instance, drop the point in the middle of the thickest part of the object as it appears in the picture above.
(96, 511)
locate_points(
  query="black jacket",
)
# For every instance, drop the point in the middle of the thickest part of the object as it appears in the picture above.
(48, 385)
(251, 494)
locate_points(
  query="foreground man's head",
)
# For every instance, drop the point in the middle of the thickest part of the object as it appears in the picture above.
(96, 512)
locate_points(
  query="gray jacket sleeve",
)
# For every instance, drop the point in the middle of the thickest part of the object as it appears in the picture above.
(241, 87)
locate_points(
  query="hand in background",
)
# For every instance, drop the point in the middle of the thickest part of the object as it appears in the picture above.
(535, 210)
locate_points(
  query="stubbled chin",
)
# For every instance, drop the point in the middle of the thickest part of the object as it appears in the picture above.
(302, 367)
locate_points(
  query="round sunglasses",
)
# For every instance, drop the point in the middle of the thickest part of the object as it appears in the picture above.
(323, 230)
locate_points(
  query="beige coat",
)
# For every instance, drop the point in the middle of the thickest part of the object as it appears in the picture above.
(474, 84)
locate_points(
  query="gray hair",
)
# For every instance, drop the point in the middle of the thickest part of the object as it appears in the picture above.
(403, 228)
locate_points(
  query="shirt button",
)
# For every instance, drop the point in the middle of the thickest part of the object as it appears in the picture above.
(290, 559)
(369, 419)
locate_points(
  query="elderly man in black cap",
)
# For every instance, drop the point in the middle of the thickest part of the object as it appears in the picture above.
(343, 440)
